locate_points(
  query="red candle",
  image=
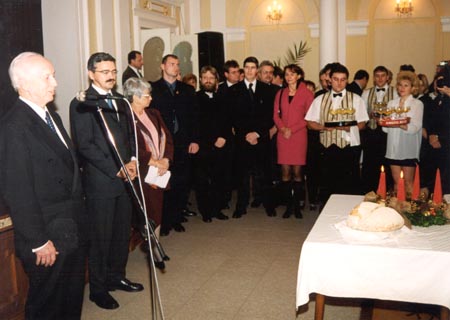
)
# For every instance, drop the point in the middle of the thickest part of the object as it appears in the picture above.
(401, 196)
(416, 185)
(382, 184)
(437, 196)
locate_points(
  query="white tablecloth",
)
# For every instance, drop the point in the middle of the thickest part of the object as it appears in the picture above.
(410, 266)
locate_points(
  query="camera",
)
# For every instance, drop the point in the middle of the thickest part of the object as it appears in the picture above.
(443, 74)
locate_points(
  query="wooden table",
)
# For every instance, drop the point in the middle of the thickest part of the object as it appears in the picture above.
(406, 265)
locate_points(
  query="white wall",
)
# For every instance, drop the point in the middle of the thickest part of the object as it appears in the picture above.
(63, 33)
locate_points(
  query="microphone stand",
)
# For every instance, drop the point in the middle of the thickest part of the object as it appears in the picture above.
(155, 294)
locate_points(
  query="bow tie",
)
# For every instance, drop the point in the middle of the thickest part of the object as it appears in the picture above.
(337, 95)
(381, 89)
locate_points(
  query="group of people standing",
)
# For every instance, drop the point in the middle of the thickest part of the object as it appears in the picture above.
(69, 198)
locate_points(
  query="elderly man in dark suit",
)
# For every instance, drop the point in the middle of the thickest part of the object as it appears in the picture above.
(252, 119)
(135, 63)
(107, 197)
(40, 181)
(175, 101)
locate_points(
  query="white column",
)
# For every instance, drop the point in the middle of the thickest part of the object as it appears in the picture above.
(342, 31)
(194, 16)
(218, 15)
(328, 32)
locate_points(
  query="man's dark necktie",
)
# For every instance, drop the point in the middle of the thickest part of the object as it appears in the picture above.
(140, 74)
(49, 121)
(250, 91)
(337, 95)
(381, 89)
(109, 101)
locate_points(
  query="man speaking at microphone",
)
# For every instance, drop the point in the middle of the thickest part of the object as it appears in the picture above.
(108, 199)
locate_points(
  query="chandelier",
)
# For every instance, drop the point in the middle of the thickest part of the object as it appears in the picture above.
(404, 8)
(274, 12)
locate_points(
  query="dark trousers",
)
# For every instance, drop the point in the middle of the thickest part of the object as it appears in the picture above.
(340, 171)
(55, 292)
(110, 227)
(313, 166)
(176, 198)
(374, 151)
(209, 182)
(254, 161)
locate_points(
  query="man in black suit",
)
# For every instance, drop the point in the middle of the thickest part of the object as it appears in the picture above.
(135, 63)
(359, 82)
(107, 197)
(252, 118)
(214, 136)
(175, 101)
(40, 182)
(231, 74)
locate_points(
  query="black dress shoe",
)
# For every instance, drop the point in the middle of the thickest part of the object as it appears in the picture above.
(271, 212)
(221, 216)
(207, 219)
(255, 203)
(183, 219)
(189, 213)
(125, 285)
(160, 265)
(104, 301)
(166, 258)
(178, 227)
(239, 213)
(164, 232)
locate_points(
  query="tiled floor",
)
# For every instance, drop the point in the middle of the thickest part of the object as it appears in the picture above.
(240, 269)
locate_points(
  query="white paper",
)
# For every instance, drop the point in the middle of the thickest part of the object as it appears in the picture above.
(152, 177)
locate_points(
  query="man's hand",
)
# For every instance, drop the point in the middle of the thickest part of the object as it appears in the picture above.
(252, 138)
(220, 142)
(193, 148)
(444, 90)
(46, 256)
(272, 132)
(434, 141)
(131, 170)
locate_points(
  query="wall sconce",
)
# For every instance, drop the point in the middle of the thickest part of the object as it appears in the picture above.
(404, 8)
(274, 12)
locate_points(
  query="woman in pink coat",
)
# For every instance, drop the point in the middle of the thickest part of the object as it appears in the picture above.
(291, 105)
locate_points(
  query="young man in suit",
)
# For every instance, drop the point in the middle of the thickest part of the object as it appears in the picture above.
(252, 119)
(107, 197)
(135, 63)
(175, 101)
(40, 182)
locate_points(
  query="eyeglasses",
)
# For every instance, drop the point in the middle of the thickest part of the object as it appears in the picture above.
(146, 96)
(106, 72)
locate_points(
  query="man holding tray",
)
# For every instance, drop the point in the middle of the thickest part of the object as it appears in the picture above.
(339, 115)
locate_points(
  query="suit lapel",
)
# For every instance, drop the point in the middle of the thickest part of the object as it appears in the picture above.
(46, 136)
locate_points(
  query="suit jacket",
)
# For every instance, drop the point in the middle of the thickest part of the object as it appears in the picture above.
(98, 160)
(213, 121)
(40, 181)
(128, 73)
(247, 115)
(178, 110)
(355, 88)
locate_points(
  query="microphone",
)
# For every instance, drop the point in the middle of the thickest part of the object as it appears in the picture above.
(82, 96)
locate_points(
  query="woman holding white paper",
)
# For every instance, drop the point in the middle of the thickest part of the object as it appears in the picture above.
(154, 145)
